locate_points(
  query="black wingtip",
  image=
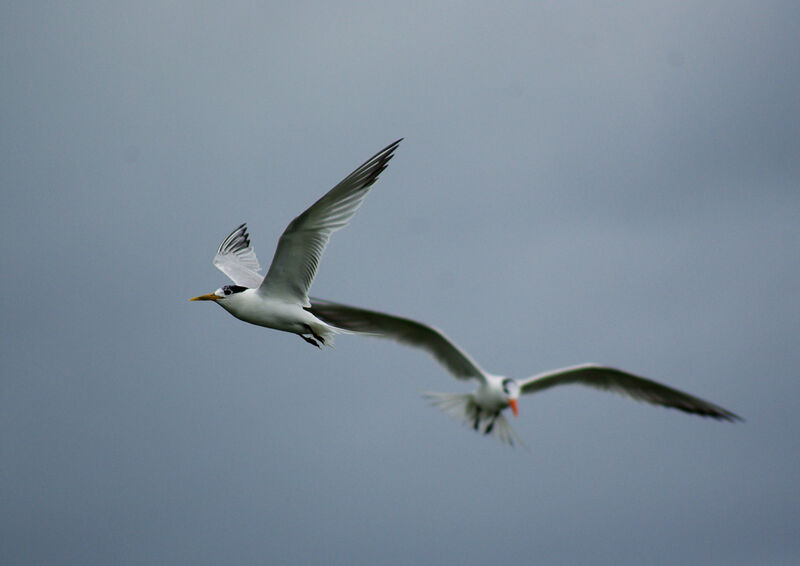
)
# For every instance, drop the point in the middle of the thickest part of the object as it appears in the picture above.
(731, 418)
(388, 151)
(718, 414)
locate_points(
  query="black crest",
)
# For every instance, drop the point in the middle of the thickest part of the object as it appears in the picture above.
(231, 289)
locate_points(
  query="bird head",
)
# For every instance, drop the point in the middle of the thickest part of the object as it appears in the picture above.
(511, 391)
(220, 294)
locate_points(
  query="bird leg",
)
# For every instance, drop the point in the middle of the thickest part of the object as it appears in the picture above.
(314, 334)
(490, 426)
(477, 422)
(309, 340)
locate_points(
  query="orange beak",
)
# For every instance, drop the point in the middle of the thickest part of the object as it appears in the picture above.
(513, 404)
(209, 297)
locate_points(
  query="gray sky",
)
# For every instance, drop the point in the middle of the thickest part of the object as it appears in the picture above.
(615, 183)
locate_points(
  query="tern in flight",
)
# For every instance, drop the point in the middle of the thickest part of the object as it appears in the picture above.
(483, 408)
(279, 300)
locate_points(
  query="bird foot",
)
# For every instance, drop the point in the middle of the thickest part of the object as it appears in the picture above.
(315, 335)
(490, 426)
(310, 340)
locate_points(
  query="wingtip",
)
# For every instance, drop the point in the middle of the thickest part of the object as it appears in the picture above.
(389, 149)
(716, 413)
(733, 418)
(721, 414)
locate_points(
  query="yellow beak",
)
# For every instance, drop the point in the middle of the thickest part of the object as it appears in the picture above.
(209, 297)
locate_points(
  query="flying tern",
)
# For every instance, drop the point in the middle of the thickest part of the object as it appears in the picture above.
(484, 407)
(279, 300)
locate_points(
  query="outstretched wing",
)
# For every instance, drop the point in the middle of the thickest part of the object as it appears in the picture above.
(303, 242)
(237, 259)
(403, 330)
(628, 384)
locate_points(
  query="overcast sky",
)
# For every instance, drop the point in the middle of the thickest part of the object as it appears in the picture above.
(579, 181)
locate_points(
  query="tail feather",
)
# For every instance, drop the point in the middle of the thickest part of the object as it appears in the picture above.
(329, 335)
(506, 433)
(457, 405)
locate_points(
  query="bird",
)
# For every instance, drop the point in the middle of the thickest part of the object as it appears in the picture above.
(279, 300)
(483, 408)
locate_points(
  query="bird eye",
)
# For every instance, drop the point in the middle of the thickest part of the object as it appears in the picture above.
(511, 388)
(226, 290)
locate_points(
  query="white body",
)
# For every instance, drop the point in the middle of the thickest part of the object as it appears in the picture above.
(489, 396)
(251, 307)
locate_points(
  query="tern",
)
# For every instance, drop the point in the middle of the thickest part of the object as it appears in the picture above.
(483, 408)
(279, 300)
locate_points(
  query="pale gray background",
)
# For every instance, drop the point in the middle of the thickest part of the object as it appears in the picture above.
(579, 181)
